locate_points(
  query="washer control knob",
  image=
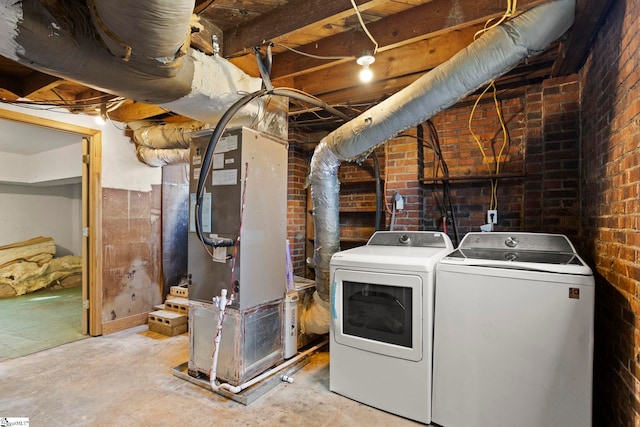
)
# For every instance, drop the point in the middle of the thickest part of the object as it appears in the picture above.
(405, 239)
(511, 242)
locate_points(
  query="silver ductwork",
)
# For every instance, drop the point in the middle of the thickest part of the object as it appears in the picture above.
(98, 43)
(493, 54)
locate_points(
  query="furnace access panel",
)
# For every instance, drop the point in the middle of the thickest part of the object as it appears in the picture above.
(250, 165)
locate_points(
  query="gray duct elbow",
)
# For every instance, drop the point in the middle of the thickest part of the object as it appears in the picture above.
(325, 189)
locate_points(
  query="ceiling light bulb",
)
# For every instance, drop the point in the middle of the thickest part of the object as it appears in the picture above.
(365, 60)
(101, 119)
(366, 75)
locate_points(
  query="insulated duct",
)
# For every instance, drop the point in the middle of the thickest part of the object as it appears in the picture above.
(160, 145)
(128, 48)
(493, 54)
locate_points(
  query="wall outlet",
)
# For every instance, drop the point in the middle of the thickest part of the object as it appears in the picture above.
(492, 216)
(399, 202)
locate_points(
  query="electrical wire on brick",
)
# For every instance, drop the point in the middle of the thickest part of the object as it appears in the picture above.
(493, 202)
(439, 164)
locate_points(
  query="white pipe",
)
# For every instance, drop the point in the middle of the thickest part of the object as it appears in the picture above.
(221, 303)
(237, 389)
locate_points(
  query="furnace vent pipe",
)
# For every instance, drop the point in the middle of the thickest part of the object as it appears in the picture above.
(493, 54)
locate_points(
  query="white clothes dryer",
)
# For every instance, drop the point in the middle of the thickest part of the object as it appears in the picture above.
(513, 340)
(381, 326)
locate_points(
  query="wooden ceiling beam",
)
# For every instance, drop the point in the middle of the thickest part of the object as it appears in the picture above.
(424, 21)
(292, 18)
(131, 111)
(533, 71)
(410, 59)
(37, 82)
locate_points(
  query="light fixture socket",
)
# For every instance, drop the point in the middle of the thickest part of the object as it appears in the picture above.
(365, 59)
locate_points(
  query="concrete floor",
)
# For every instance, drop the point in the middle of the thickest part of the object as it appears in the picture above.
(126, 379)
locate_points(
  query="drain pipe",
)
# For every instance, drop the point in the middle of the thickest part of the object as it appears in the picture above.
(237, 389)
(493, 54)
(220, 302)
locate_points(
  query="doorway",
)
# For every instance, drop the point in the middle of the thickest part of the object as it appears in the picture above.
(86, 300)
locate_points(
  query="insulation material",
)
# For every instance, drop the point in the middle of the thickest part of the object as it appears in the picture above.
(160, 145)
(493, 54)
(215, 86)
(314, 316)
(161, 157)
(170, 135)
(64, 44)
(30, 265)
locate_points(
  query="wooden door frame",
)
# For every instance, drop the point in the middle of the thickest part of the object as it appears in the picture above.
(91, 213)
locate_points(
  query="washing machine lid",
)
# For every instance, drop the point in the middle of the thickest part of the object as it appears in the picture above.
(416, 251)
(522, 251)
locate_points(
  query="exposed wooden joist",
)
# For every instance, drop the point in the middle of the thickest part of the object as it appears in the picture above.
(135, 111)
(406, 60)
(533, 71)
(424, 21)
(290, 18)
(39, 82)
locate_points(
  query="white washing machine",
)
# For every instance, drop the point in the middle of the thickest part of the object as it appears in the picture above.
(513, 339)
(381, 326)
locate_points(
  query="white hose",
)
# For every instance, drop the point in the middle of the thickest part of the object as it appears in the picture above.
(221, 303)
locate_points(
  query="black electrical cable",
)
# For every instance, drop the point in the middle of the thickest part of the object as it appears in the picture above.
(376, 172)
(301, 96)
(265, 69)
(440, 164)
(217, 134)
(224, 121)
(206, 164)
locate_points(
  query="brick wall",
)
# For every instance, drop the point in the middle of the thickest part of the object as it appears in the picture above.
(471, 196)
(298, 171)
(552, 157)
(540, 162)
(540, 190)
(404, 176)
(611, 210)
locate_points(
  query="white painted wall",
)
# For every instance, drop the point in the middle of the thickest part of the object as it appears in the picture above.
(31, 211)
(41, 168)
(28, 211)
(120, 166)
